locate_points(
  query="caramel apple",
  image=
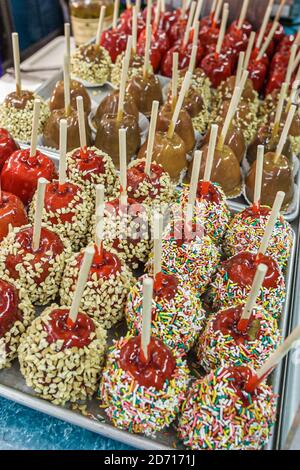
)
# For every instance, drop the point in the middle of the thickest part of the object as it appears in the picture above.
(18, 100)
(226, 89)
(91, 63)
(110, 106)
(57, 100)
(264, 137)
(51, 131)
(145, 89)
(277, 176)
(170, 153)
(234, 140)
(107, 138)
(184, 127)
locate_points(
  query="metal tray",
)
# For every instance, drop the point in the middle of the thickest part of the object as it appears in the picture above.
(13, 387)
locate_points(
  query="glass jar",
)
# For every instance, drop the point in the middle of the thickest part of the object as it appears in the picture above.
(85, 17)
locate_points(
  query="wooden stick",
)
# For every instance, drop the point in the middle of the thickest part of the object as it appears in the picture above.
(252, 298)
(163, 6)
(211, 151)
(100, 24)
(289, 71)
(67, 89)
(100, 206)
(38, 216)
(231, 111)
(240, 68)
(124, 76)
(116, 14)
(157, 13)
(197, 13)
(81, 122)
(285, 132)
(193, 59)
(282, 97)
(183, 8)
(217, 11)
(264, 25)
(267, 41)
(193, 186)
(213, 7)
(81, 283)
(183, 92)
(134, 29)
(123, 160)
(128, 4)
(189, 24)
(243, 13)
(279, 11)
(16, 52)
(296, 63)
(68, 38)
(297, 39)
(151, 137)
(274, 359)
(249, 50)
(147, 50)
(138, 6)
(223, 28)
(147, 318)
(174, 78)
(271, 222)
(63, 125)
(293, 94)
(258, 174)
(158, 234)
(35, 126)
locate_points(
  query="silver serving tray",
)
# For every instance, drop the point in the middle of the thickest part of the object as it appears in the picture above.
(13, 387)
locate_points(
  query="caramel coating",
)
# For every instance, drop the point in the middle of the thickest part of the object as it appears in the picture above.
(277, 176)
(110, 106)
(225, 170)
(57, 100)
(145, 90)
(264, 137)
(234, 140)
(51, 130)
(227, 88)
(184, 127)
(20, 100)
(168, 152)
(107, 138)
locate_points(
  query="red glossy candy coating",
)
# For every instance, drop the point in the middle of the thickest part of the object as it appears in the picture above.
(12, 212)
(9, 307)
(254, 212)
(236, 41)
(126, 23)
(136, 176)
(59, 198)
(208, 192)
(279, 33)
(155, 54)
(50, 242)
(167, 19)
(178, 30)
(209, 35)
(165, 286)
(227, 322)
(217, 68)
(89, 164)
(257, 73)
(114, 42)
(242, 268)
(75, 336)
(105, 265)
(7, 146)
(240, 377)
(159, 368)
(21, 173)
(159, 41)
(246, 28)
(254, 55)
(276, 80)
(280, 60)
(184, 55)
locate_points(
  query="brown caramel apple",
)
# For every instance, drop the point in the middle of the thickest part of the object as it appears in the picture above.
(144, 90)
(169, 152)
(110, 105)
(226, 89)
(184, 127)
(234, 140)
(19, 100)
(57, 100)
(107, 138)
(226, 170)
(52, 129)
(264, 137)
(277, 176)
